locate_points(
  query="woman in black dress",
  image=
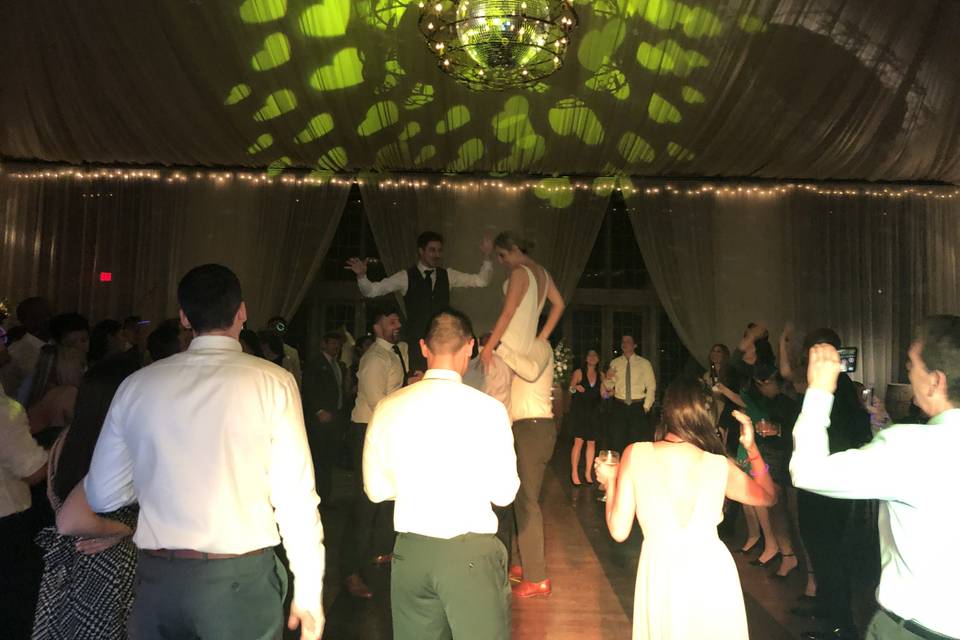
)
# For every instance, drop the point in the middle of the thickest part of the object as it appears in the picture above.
(585, 389)
(87, 585)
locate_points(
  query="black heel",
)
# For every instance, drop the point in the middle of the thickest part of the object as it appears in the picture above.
(751, 547)
(771, 560)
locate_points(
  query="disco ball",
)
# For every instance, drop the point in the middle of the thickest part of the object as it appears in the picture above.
(498, 44)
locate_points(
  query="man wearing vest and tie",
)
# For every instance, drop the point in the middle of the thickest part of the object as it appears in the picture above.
(634, 390)
(425, 287)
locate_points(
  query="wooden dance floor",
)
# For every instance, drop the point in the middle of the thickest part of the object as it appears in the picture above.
(593, 577)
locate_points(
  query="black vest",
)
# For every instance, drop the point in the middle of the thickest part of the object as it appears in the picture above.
(422, 301)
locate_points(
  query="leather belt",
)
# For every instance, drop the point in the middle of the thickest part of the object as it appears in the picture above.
(190, 554)
(632, 402)
(915, 627)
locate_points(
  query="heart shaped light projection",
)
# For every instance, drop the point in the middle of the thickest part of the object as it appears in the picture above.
(498, 44)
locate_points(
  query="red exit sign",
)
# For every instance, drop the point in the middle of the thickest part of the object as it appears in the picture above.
(106, 276)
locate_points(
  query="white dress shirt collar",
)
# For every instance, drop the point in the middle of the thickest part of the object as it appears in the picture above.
(225, 343)
(422, 268)
(442, 374)
(386, 345)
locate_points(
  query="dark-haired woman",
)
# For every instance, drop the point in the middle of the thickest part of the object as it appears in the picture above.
(586, 386)
(87, 585)
(687, 583)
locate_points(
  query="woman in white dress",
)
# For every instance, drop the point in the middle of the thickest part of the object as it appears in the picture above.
(527, 290)
(687, 583)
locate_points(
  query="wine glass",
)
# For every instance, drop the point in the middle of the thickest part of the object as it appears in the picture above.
(611, 458)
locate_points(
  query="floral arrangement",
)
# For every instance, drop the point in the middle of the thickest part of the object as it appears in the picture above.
(562, 364)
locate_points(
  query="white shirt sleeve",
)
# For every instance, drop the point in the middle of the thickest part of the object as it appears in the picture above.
(396, 283)
(294, 499)
(378, 475)
(20, 455)
(504, 479)
(650, 382)
(461, 280)
(109, 483)
(875, 471)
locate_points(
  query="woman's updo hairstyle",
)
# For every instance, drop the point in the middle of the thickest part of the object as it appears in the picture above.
(508, 240)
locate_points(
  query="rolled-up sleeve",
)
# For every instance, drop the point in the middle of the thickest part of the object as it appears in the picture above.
(504, 479)
(378, 474)
(461, 280)
(294, 499)
(109, 483)
(20, 455)
(395, 283)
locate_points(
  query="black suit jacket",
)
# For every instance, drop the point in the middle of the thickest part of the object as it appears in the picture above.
(320, 390)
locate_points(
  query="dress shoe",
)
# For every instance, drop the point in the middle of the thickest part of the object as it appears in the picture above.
(527, 589)
(751, 547)
(838, 633)
(766, 563)
(805, 598)
(515, 573)
(383, 559)
(357, 588)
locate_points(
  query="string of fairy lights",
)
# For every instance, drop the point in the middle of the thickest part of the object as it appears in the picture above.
(602, 184)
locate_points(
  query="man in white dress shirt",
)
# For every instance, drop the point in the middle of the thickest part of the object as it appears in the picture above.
(912, 470)
(211, 444)
(383, 369)
(444, 452)
(22, 463)
(425, 287)
(634, 390)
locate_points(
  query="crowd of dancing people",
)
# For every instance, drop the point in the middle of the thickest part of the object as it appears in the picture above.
(164, 481)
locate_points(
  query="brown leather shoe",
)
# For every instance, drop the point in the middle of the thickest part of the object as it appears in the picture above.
(528, 589)
(357, 588)
(515, 573)
(386, 558)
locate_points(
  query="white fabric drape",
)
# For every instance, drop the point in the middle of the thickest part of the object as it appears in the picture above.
(563, 224)
(868, 266)
(813, 89)
(58, 234)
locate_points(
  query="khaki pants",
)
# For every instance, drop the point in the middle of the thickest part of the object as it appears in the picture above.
(534, 440)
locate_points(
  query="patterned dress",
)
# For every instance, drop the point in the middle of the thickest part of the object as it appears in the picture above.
(83, 597)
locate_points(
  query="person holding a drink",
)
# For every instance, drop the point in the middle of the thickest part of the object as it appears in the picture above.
(675, 487)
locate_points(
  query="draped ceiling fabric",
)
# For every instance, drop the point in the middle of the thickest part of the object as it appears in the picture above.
(869, 267)
(799, 89)
(561, 220)
(58, 234)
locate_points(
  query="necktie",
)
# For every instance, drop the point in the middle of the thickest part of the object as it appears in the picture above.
(426, 276)
(403, 365)
(629, 397)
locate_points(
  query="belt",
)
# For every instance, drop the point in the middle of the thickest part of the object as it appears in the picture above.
(533, 421)
(915, 627)
(190, 554)
(632, 402)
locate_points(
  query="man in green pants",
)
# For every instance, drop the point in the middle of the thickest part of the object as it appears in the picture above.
(444, 452)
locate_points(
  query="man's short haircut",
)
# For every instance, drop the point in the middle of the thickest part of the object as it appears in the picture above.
(61, 325)
(630, 335)
(448, 330)
(940, 350)
(384, 310)
(210, 297)
(333, 335)
(427, 237)
(164, 341)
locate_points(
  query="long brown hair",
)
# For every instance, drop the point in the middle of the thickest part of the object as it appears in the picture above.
(687, 414)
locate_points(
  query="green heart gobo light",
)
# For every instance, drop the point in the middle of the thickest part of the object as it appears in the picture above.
(491, 45)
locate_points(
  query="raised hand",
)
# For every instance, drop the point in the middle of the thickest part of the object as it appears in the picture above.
(823, 368)
(486, 245)
(746, 430)
(357, 265)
